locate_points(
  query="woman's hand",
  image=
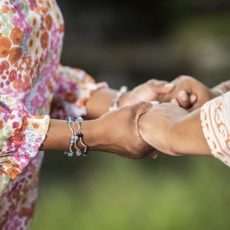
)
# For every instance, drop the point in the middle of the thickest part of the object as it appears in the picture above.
(101, 100)
(118, 132)
(172, 130)
(156, 127)
(115, 132)
(190, 93)
(152, 90)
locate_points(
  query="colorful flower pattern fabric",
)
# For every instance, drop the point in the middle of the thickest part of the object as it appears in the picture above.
(215, 122)
(33, 85)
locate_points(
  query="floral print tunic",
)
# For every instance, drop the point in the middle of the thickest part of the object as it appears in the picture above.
(31, 80)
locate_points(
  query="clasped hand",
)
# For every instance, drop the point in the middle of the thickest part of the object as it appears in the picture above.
(138, 128)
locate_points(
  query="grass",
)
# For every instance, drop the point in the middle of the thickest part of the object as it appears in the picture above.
(119, 194)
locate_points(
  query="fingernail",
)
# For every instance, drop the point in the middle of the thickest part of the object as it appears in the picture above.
(154, 156)
(169, 85)
(155, 102)
(193, 98)
(183, 96)
(174, 101)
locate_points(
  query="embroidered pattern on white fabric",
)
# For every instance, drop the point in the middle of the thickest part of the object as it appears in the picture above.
(215, 120)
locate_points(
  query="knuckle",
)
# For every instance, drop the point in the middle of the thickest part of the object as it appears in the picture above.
(142, 107)
(137, 151)
(151, 81)
(184, 78)
(143, 104)
(155, 82)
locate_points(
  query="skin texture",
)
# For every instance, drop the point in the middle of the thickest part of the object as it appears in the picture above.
(191, 94)
(99, 131)
(136, 129)
(100, 101)
(173, 131)
(115, 132)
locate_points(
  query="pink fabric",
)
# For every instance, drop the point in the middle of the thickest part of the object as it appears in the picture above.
(31, 79)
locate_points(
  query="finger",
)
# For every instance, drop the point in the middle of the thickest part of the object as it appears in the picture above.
(193, 99)
(155, 102)
(161, 86)
(194, 103)
(175, 102)
(184, 99)
(195, 106)
(142, 108)
(167, 88)
(153, 155)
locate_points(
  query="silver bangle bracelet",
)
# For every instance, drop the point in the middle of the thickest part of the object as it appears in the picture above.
(76, 139)
(83, 150)
(115, 103)
(71, 150)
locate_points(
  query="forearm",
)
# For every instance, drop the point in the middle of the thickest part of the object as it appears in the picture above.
(99, 102)
(114, 132)
(172, 130)
(59, 134)
(222, 88)
(187, 136)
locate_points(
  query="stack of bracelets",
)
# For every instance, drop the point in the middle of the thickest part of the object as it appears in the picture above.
(77, 145)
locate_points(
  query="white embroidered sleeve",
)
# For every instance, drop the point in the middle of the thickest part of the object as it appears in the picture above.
(215, 120)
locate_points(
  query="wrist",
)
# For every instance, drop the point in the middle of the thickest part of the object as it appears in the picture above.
(176, 139)
(120, 99)
(123, 100)
(187, 136)
(97, 135)
(222, 88)
(216, 92)
(99, 102)
(91, 130)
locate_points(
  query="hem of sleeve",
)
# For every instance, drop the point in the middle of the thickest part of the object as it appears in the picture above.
(35, 135)
(214, 129)
(73, 81)
(84, 97)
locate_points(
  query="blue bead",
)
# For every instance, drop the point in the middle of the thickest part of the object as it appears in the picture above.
(80, 135)
(69, 120)
(84, 152)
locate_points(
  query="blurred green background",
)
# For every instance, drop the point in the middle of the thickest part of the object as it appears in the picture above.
(128, 42)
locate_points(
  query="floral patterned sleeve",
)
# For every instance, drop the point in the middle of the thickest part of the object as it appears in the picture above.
(21, 133)
(75, 87)
(21, 137)
(215, 120)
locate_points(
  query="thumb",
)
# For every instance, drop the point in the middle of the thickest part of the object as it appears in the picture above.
(162, 87)
(167, 88)
(141, 108)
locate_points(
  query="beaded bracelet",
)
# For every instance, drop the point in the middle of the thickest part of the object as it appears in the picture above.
(76, 139)
(69, 123)
(120, 93)
(79, 135)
